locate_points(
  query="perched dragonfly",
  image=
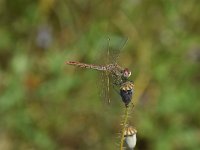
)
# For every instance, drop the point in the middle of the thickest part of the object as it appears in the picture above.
(118, 74)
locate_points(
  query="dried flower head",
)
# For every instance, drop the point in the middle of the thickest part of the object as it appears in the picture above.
(130, 136)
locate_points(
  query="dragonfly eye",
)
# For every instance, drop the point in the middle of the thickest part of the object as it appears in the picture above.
(127, 73)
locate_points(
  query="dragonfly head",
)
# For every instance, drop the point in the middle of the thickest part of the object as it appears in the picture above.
(126, 73)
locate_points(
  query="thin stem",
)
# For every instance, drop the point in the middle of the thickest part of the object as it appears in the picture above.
(123, 128)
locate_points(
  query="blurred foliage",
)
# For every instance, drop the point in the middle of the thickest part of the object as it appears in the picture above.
(47, 105)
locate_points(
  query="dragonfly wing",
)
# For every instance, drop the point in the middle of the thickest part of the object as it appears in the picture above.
(105, 87)
(115, 49)
(108, 86)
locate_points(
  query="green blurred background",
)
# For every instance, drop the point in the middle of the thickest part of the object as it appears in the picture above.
(46, 105)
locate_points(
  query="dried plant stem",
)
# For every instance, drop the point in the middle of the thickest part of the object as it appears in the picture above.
(125, 118)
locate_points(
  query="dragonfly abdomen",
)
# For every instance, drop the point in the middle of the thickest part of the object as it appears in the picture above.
(89, 66)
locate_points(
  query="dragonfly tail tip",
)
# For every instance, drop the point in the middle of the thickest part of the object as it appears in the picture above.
(69, 62)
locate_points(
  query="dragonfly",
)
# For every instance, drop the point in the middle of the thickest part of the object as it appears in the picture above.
(119, 77)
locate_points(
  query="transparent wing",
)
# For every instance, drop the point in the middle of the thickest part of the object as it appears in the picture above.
(110, 56)
(105, 87)
(116, 45)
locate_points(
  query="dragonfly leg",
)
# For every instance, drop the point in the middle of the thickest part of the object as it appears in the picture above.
(132, 105)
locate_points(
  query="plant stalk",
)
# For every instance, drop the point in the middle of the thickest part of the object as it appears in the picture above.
(125, 118)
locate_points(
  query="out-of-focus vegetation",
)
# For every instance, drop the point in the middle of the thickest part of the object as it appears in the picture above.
(47, 105)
